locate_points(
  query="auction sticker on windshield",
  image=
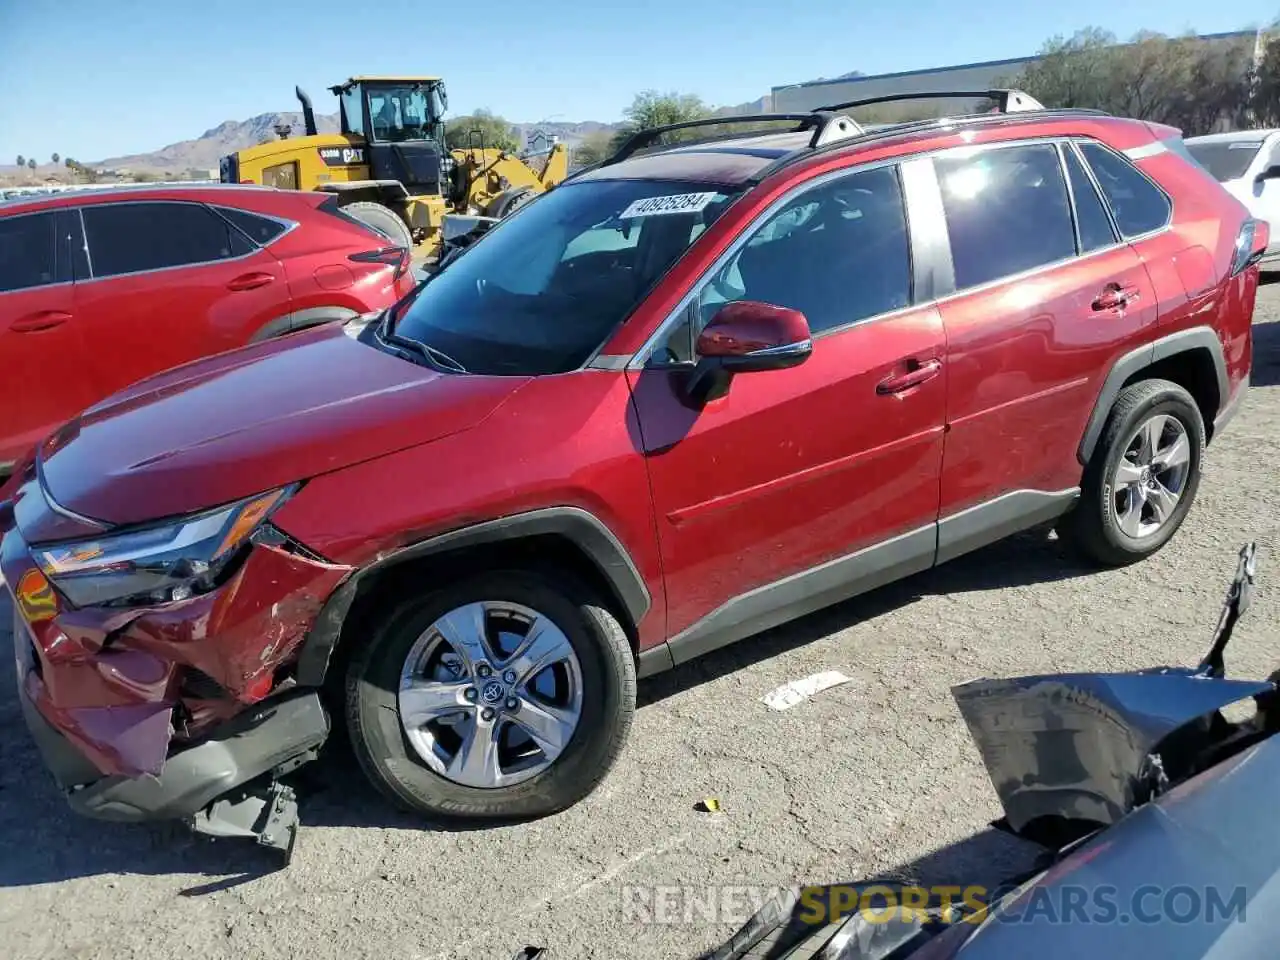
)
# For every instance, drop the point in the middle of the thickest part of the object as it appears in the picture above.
(674, 203)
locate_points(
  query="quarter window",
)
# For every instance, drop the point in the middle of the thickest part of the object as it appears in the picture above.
(261, 230)
(1091, 216)
(1007, 211)
(134, 237)
(1138, 204)
(838, 253)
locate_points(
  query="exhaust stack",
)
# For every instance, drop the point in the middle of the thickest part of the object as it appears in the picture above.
(308, 115)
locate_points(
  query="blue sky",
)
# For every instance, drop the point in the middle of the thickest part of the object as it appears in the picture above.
(108, 78)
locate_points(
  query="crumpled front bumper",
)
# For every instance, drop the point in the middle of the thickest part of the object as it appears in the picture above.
(153, 713)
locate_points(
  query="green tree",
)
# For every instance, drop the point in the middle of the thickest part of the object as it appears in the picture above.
(496, 131)
(31, 164)
(652, 109)
(593, 148)
(1187, 82)
(55, 159)
(22, 161)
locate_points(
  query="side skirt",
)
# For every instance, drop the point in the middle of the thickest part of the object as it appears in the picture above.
(837, 580)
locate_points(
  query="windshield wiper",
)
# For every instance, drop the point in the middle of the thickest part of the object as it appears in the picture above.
(435, 357)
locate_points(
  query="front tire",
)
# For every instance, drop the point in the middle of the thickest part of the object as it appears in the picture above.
(504, 696)
(1142, 478)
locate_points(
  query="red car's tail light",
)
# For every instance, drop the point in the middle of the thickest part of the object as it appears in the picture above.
(1251, 244)
(397, 257)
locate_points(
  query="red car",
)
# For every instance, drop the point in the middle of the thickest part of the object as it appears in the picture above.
(99, 288)
(691, 393)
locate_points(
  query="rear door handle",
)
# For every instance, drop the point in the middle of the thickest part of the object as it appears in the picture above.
(43, 320)
(1115, 297)
(250, 281)
(917, 374)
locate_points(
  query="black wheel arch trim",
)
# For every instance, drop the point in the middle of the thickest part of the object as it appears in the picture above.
(300, 320)
(1135, 361)
(582, 528)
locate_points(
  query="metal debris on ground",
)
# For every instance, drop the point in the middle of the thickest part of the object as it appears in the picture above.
(798, 691)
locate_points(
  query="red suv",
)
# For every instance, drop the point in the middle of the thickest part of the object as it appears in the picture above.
(101, 287)
(691, 393)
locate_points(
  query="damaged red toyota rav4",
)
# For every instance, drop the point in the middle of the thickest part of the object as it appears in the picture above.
(693, 392)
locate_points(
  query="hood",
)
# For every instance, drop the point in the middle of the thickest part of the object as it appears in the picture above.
(252, 419)
(1077, 745)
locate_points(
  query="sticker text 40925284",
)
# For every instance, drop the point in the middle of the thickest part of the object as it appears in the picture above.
(674, 203)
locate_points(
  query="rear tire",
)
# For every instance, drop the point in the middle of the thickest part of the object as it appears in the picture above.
(382, 219)
(1142, 478)
(414, 664)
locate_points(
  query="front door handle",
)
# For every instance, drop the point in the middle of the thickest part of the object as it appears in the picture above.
(916, 374)
(44, 320)
(1115, 297)
(250, 281)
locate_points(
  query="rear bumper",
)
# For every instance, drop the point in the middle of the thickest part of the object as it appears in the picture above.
(254, 743)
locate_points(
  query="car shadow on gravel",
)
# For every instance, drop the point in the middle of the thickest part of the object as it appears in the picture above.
(1266, 354)
(1035, 556)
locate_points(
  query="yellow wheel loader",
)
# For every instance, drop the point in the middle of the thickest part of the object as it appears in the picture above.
(390, 166)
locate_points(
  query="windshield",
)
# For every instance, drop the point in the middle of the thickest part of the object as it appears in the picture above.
(544, 289)
(399, 113)
(1224, 159)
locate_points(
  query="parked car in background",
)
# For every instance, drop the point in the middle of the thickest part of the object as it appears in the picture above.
(1247, 164)
(689, 394)
(101, 288)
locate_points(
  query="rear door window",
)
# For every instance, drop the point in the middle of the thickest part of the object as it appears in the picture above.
(28, 252)
(1139, 206)
(136, 237)
(1007, 211)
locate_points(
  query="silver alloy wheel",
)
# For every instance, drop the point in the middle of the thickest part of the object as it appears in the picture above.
(490, 694)
(1149, 479)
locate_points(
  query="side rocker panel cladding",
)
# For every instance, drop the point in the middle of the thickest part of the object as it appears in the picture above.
(1137, 360)
(574, 524)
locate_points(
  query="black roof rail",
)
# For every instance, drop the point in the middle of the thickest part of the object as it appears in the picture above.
(1005, 99)
(918, 126)
(824, 126)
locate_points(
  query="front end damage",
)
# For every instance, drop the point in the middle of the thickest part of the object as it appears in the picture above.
(1086, 749)
(185, 709)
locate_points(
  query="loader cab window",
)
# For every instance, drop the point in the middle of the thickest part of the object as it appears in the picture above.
(353, 111)
(401, 113)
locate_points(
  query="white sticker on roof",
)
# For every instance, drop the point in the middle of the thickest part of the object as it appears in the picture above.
(674, 203)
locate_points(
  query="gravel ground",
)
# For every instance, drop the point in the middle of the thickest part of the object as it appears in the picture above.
(874, 775)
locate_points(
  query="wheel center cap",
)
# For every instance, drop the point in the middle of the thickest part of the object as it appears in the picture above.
(1146, 475)
(493, 692)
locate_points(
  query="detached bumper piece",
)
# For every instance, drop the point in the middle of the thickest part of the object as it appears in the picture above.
(229, 784)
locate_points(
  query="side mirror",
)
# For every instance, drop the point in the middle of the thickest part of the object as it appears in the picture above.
(1271, 173)
(749, 336)
(746, 337)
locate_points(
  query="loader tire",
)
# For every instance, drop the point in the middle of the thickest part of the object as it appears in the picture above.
(382, 219)
(509, 201)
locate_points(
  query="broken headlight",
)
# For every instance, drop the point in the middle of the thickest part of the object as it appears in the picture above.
(156, 564)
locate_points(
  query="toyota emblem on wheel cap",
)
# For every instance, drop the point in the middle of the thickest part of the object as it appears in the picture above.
(492, 692)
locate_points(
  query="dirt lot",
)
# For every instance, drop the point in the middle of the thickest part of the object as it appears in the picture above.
(874, 775)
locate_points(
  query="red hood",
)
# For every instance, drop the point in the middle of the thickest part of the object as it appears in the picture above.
(249, 420)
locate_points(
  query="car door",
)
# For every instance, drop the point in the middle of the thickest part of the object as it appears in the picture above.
(1046, 297)
(765, 497)
(44, 366)
(172, 281)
